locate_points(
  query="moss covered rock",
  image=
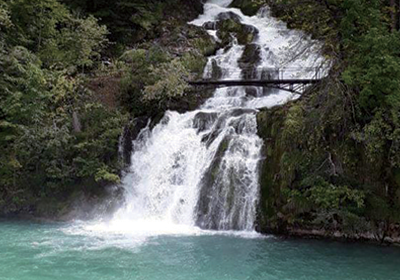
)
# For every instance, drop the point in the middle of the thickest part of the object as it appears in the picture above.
(251, 57)
(248, 7)
(245, 34)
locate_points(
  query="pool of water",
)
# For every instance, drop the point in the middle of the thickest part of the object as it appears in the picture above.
(31, 251)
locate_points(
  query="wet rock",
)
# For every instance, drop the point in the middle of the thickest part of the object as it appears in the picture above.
(210, 25)
(251, 56)
(245, 34)
(268, 74)
(250, 29)
(187, 39)
(250, 59)
(240, 111)
(208, 213)
(216, 72)
(229, 16)
(209, 138)
(131, 132)
(248, 7)
(251, 91)
(203, 120)
(226, 28)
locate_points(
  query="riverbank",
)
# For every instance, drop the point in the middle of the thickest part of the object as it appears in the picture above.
(393, 239)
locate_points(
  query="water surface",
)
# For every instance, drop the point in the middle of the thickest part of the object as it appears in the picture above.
(30, 251)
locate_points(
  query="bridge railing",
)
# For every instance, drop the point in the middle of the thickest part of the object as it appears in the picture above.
(305, 73)
(271, 73)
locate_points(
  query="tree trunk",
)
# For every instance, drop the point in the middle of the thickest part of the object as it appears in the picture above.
(393, 14)
(398, 16)
(76, 123)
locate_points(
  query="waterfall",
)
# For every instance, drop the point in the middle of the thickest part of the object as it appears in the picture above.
(200, 169)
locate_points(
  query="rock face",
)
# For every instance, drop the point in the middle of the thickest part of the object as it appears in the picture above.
(211, 180)
(248, 7)
(210, 25)
(229, 23)
(203, 120)
(131, 132)
(229, 15)
(249, 60)
(247, 34)
(216, 72)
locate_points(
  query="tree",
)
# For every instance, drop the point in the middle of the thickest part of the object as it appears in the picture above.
(42, 45)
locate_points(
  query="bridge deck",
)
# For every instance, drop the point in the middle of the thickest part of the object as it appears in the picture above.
(253, 82)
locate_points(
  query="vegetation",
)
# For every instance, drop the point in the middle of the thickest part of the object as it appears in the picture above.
(53, 131)
(132, 21)
(344, 174)
(70, 83)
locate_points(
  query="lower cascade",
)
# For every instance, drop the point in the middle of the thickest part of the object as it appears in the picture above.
(200, 169)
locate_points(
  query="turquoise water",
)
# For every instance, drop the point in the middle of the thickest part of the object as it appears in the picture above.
(48, 251)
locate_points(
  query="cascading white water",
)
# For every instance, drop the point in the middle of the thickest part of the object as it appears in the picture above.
(200, 168)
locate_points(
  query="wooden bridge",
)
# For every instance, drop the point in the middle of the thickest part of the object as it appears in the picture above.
(283, 79)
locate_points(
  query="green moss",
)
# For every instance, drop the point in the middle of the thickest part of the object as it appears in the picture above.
(248, 7)
(244, 33)
(205, 45)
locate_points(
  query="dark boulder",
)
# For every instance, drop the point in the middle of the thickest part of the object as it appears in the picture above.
(203, 121)
(245, 34)
(251, 57)
(216, 72)
(210, 25)
(248, 7)
(229, 16)
(131, 132)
